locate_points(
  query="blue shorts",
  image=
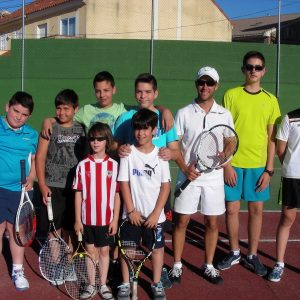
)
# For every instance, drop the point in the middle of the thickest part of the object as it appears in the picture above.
(9, 203)
(246, 186)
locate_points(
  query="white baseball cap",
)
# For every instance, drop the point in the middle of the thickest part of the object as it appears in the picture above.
(208, 71)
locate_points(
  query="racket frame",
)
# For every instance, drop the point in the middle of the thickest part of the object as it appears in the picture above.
(200, 162)
(24, 194)
(131, 263)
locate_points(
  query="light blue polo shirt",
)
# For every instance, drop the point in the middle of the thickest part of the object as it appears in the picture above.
(124, 132)
(14, 146)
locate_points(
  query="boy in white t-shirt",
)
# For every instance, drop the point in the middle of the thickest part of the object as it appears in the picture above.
(145, 185)
(288, 151)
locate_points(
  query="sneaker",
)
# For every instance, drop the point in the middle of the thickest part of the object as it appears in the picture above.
(276, 273)
(255, 265)
(212, 275)
(158, 291)
(20, 281)
(105, 292)
(165, 280)
(175, 275)
(230, 260)
(88, 292)
(124, 292)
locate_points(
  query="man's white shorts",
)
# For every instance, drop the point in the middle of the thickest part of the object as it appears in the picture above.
(210, 198)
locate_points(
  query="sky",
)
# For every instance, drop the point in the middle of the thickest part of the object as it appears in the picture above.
(242, 9)
(234, 9)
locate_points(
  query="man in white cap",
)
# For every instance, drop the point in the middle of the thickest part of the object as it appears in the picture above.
(191, 120)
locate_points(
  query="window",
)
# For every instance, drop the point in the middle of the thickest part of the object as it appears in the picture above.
(68, 26)
(42, 31)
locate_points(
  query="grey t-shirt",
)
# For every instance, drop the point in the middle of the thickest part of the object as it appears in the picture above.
(65, 150)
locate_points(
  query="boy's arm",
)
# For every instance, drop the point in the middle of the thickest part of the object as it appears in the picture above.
(113, 227)
(40, 167)
(31, 176)
(134, 215)
(167, 117)
(280, 149)
(265, 178)
(152, 219)
(78, 226)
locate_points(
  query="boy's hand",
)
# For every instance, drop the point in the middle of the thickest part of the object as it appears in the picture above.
(78, 227)
(165, 153)
(47, 128)
(124, 150)
(46, 192)
(191, 173)
(152, 220)
(136, 218)
(113, 227)
(263, 182)
(230, 176)
(28, 184)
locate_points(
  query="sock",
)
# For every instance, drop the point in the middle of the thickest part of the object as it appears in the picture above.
(125, 283)
(16, 267)
(236, 252)
(280, 263)
(209, 266)
(251, 256)
(178, 265)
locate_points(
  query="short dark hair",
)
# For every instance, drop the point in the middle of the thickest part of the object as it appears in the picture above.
(103, 130)
(104, 76)
(66, 97)
(144, 118)
(23, 99)
(146, 78)
(254, 54)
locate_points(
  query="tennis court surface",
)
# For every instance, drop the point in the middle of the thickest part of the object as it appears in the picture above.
(239, 282)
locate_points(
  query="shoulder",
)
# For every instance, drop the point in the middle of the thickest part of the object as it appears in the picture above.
(186, 109)
(268, 95)
(235, 90)
(220, 109)
(28, 129)
(295, 114)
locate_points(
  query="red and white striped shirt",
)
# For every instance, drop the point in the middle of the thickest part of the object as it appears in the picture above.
(98, 183)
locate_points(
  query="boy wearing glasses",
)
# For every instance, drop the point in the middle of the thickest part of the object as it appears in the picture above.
(255, 112)
(207, 189)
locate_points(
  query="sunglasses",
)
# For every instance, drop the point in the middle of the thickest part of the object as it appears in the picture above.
(96, 138)
(208, 82)
(249, 67)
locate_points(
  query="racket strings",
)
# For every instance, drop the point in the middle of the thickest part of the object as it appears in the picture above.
(52, 259)
(27, 223)
(216, 147)
(135, 251)
(81, 276)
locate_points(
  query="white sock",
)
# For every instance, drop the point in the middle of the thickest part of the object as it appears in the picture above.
(209, 266)
(236, 252)
(251, 256)
(16, 267)
(178, 265)
(280, 264)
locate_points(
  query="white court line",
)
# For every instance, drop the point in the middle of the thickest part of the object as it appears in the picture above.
(169, 241)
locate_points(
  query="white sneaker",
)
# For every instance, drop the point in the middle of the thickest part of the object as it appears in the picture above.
(20, 281)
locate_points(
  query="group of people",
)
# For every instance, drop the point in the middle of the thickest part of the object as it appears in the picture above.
(104, 162)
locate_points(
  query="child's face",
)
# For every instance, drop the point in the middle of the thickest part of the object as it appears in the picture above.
(16, 115)
(104, 92)
(253, 76)
(97, 144)
(144, 136)
(145, 95)
(65, 113)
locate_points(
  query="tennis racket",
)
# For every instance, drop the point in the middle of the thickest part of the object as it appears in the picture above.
(25, 223)
(214, 148)
(135, 253)
(81, 274)
(53, 255)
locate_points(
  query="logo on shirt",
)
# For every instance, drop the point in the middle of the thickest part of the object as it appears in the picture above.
(145, 172)
(109, 174)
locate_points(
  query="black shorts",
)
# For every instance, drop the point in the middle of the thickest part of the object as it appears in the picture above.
(134, 233)
(63, 205)
(98, 236)
(291, 192)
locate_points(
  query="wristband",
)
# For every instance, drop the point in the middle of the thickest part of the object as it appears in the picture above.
(131, 212)
(270, 173)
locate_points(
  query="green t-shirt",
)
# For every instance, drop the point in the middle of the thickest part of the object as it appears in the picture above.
(89, 114)
(251, 113)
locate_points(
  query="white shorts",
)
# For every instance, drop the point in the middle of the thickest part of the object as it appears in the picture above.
(210, 198)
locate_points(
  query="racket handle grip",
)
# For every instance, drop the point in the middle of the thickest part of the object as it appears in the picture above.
(79, 236)
(182, 188)
(49, 209)
(23, 171)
